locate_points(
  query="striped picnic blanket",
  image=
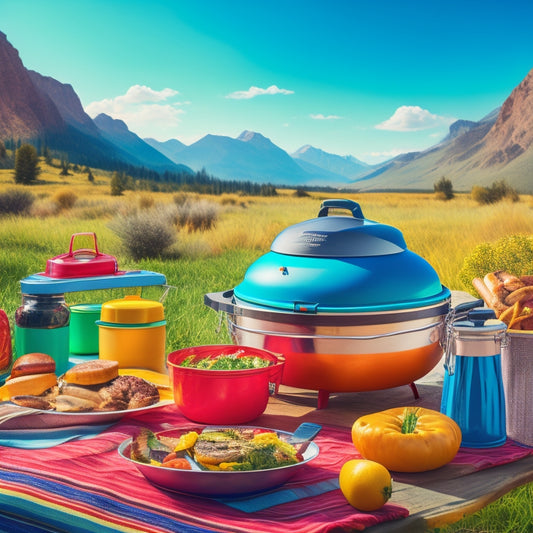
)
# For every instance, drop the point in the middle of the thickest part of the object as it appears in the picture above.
(84, 485)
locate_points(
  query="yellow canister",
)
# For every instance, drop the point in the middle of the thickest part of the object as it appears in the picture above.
(132, 331)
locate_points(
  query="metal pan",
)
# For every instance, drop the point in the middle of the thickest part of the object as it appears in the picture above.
(218, 483)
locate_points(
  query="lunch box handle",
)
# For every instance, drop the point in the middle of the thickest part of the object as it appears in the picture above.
(72, 252)
(340, 203)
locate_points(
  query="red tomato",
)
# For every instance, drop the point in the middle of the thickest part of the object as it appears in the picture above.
(179, 462)
(258, 431)
(169, 457)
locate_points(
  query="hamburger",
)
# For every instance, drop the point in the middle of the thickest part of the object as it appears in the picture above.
(93, 385)
(33, 382)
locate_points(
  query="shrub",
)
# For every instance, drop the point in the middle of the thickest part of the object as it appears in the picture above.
(146, 234)
(443, 189)
(146, 201)
(181, 198)
(513, 254)
(16, 202)
(196, 216)
(497, 192)
(65, 199)
(300, 192)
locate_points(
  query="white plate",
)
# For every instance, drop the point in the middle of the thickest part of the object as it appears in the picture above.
(39, 419)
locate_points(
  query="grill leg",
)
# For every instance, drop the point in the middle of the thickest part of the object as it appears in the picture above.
(323, 398)
(415, 390)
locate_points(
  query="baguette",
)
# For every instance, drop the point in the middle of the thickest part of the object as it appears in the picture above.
(495, 285)
(489, 297)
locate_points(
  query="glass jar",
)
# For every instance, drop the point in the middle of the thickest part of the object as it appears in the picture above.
(41, 325)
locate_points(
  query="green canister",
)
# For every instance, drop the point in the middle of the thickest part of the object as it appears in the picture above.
(84, 333)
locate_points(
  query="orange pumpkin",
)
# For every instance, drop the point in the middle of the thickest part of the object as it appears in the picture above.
(407, 439)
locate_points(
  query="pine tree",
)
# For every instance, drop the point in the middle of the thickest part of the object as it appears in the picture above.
(118, 185)
(26, 164)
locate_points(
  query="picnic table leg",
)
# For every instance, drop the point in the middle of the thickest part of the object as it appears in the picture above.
(415, 390)
(323, 398)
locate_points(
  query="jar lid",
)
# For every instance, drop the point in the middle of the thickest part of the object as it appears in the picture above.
(132, 309)
(86, 308)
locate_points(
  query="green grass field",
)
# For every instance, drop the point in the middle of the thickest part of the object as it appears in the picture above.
(444, 233)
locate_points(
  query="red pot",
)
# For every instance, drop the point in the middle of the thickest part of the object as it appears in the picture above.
(223, 396)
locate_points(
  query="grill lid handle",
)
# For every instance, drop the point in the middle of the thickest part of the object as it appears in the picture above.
(340, 203)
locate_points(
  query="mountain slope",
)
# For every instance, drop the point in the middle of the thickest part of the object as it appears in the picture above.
(117, 133)
(499, 147)
(171, 148)
(25, 112)
(66, 101)
(250, 157)
(347, 166)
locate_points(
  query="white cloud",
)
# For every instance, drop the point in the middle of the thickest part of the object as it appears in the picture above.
(142, 93)
(253, 91)
(145, 110)
(413, 118)
(320, 116)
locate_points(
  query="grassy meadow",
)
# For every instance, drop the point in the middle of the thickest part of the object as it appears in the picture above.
(443, 232)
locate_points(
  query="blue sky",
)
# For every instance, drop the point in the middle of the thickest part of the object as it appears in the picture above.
(369, 78)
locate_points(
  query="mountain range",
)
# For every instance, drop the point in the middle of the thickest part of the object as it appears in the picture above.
(39, 109)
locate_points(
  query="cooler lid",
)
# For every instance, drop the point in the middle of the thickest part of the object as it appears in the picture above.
(339, 236)
(340, 264)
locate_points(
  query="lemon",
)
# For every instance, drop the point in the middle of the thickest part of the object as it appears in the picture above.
(365, 484)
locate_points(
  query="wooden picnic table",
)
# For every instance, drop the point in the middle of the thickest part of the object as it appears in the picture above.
(432, 501)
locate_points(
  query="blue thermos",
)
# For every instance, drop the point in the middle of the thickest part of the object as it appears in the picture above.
(473, 393)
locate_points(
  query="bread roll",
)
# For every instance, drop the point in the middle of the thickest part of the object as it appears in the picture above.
(33, 363)
(92, 372)
(510, 281)
(32, 385)
(526, 280)
(520, 295)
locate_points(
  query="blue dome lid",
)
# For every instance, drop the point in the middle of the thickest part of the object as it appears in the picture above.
(340, 264)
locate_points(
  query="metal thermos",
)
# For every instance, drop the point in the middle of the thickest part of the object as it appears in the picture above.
(42, 325)
(473, 393)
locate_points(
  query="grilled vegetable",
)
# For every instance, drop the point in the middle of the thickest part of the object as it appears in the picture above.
(407, 439)
(146, 447)
(224, 449)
